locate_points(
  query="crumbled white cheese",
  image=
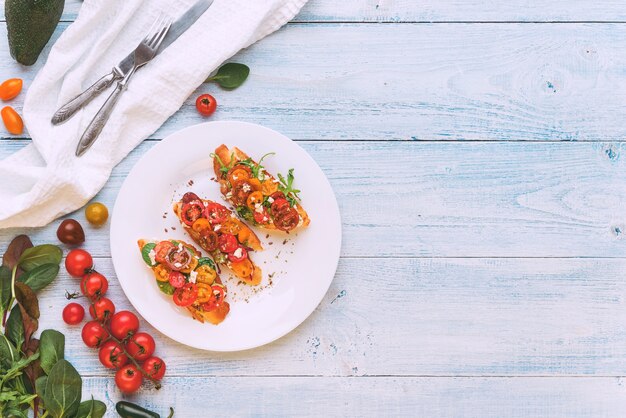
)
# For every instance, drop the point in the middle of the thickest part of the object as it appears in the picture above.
(178, 265)
(261, 175)
(229, 195)
(152, 255)
(235, 177)
(276, 181)
(206, 204)
(258, 208)
(238, 252)
(217, 227)
(270, 199)
(301, 221)
(193, 276)
(232, 215)
(180, 247)
(246, 187)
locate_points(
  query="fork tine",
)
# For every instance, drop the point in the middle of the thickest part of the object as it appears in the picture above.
(164, 29)
(153, 29)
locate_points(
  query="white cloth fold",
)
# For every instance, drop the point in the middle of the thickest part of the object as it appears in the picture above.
(45, 180)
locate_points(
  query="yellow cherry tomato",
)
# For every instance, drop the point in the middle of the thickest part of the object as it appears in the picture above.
(161, 272)
(96, 213)
(12, 120)
(206, 275)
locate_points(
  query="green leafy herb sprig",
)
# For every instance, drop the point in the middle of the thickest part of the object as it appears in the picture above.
(256, 168)
(224, 168)
(286, 186)
(230, 75)
(33, 372)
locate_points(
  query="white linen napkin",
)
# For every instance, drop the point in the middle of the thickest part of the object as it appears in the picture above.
(45, 180)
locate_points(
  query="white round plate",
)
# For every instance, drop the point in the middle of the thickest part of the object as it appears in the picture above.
(301, 265)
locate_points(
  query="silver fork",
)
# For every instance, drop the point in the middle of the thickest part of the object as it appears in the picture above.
(145, 51)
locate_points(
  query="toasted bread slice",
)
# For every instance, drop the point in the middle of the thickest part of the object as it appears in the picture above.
(199, 273)
(253, 191)
(207, 233)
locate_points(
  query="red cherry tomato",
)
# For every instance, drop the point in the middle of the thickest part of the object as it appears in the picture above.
(112, 356)
(78, 262)
(216, 298)
(128, 379)
(73, 313)
(124, 324)
(186, 295)
(216, 213)
(140, 346)
(94, 285)
(238, 255)
(154, 367)
(162, 249)
(227, 243)
(206, 104)
(94, 334)
(177, 279)
(102, 309)
(287, 219)
(261, 217)
(190, 197)
(191, 211)
(279, 205)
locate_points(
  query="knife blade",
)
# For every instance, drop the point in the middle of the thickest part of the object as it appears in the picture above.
(183, 23)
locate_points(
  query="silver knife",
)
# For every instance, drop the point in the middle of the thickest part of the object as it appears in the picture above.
(178, 28)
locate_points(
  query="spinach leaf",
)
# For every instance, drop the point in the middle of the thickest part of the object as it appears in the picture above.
(40, 386)
(52, 349)
(8, 353)
(5, 288)
(145, 253)
(40, 276)
(29, 306)
(230, 75)
(166, 287)
(41, 254)
(15, 250)
(14, 328)
(244, 212)
(91, 409)
(63, 390)
(206, 261)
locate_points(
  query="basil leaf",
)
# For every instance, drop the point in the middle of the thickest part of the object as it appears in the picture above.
(40, 386)
(5, 288)
(41, 254)
(63, 390)
(52, 348)
(206, 261)
(166, 287)
(91, 409)
(41, 276)
(230, 75)
(15, 250)
(145, 253)
(244, 212)
(7, 352)
(15, 328)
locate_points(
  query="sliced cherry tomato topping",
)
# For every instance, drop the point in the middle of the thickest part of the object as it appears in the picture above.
(204, 293)
(255, 198)
(287, 219)
(238, 255)
(176, 279)
(192, 211)
(186, 295)
(162, 272)
(227, 243)
(217, 296)
(239, 172)
(277, 195)
(261, 217)
(205, 275)
(279, 205)
(178, 259)
(243, 269)
(201, 224)
(208, 240)
(241, 190)
(216, 213)
(230, 226)
(190, 197)
(269, 187)
(162, 249)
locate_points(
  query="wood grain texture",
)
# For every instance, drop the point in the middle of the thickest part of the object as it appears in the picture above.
(397, 11)
(420, 317)
(518, 82)
(380, 397)
(453, 199)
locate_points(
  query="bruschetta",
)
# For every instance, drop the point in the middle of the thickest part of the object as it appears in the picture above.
(216, 229)
(258, 197)
(191, 280)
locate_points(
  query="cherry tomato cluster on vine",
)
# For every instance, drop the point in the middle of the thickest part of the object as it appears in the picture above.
(115, 334)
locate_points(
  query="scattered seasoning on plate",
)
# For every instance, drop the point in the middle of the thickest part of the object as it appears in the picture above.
(285, 241)
(270, 243)
(165, 229)
(190, 183)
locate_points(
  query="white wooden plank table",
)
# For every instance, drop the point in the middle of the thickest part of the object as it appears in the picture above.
(475, 150)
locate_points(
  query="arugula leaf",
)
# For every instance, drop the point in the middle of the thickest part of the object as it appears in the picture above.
(40, 276)
(91, 409)
(245, 213)
(224, 168)
(286, 186)
(15, 250)
(41, 254)
(14, 328)
(63, 390)
(51, 348)
(230, 75)
(256, 168)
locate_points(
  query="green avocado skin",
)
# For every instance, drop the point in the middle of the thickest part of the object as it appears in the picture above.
(30, 24)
